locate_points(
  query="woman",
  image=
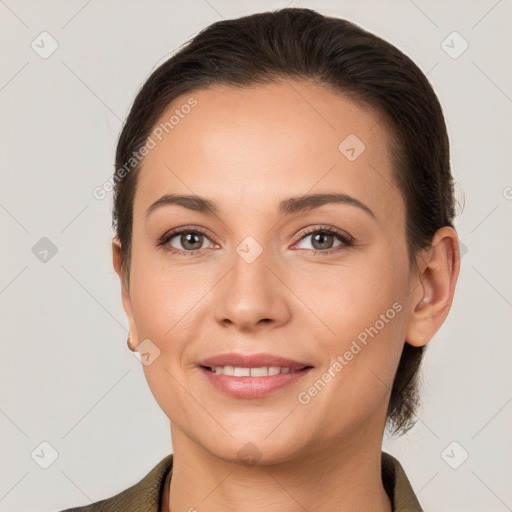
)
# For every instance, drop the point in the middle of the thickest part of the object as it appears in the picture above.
(285, 244)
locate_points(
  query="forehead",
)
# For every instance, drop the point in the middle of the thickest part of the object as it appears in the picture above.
(260, 143)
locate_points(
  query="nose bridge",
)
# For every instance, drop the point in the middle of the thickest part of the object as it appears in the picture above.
(250, 266)
(251, 291)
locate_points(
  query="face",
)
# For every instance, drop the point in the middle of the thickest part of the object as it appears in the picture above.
(253, 274)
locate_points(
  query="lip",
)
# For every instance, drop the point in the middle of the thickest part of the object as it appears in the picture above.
(251, 361)
(252, 387)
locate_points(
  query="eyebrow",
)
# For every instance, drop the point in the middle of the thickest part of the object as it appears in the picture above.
(286, 207)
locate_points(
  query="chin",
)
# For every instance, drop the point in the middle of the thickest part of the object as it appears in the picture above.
(255, 449)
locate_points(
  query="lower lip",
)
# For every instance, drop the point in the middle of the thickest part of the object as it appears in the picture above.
(252, 387)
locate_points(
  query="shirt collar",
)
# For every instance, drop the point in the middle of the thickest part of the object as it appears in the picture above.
(394, 479)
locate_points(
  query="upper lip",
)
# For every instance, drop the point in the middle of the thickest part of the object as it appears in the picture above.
(251, 361)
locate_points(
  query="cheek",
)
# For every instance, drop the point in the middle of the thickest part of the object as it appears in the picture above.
(162, 295)
(364, 317)
(352, 298)
(163, 308)
(362, 357)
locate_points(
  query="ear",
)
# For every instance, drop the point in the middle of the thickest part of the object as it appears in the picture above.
(438, 270)
(117, 260)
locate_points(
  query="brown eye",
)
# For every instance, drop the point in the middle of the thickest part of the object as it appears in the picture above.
(190, 241)
(325, 241)
(322, 240)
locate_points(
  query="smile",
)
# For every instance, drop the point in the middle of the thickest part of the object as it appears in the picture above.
(251, 375)
(262, 371)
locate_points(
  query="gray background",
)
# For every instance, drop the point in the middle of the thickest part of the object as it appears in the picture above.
(67, 377)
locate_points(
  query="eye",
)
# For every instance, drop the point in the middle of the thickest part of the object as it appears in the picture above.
(323, 240)
(184, 240)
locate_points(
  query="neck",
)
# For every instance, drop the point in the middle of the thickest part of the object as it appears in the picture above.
(347, 478)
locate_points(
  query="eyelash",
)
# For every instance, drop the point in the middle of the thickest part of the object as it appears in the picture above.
(345, 238)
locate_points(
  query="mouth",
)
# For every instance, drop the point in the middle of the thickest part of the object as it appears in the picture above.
(258, 371)
(252, 376)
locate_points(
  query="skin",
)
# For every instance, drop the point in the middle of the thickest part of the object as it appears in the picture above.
(247, 149)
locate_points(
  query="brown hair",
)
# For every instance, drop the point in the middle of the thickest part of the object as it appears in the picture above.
(334, 53)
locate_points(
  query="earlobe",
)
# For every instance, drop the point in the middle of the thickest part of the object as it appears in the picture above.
(439, 270)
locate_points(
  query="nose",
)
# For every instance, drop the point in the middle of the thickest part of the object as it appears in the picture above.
(253, 296)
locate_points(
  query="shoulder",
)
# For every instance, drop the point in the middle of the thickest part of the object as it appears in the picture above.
(397, 485)
(144, 496)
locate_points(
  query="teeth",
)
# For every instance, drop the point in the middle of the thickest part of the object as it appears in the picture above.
(236, 371)
(259, 372)
(227, 370)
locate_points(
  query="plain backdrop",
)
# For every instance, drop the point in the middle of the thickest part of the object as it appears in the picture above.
(67, 377)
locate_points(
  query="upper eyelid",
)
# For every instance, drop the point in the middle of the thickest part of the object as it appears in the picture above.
(328, 229)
